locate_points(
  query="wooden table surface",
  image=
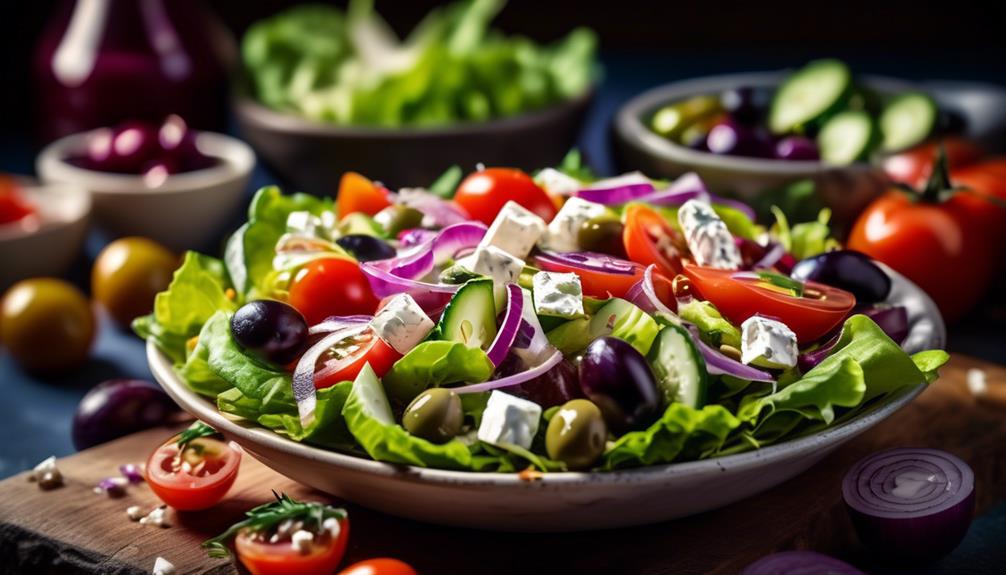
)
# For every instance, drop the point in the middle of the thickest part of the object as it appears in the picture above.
(73, 530)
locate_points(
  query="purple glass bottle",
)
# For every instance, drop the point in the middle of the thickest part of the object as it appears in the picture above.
(100, 62)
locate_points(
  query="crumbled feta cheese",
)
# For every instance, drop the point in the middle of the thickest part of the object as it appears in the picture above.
(402, 324)
(562, 232)
(47, 474)
(157, 517)
(515, 230)
(301, 541)
(977, 382)
(556, 182)
(768, 343)
(557, 294)
(497, 264)
(46, 465)
(163, 567)
(509, 420)
(134, 512)
(709, 240)
(332, 526)
(302, 223)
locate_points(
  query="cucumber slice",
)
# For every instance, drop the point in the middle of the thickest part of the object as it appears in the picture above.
(846, 138)
(808, 94)
(624, 320)
(907, 120)
(470, 317)
(679, 368)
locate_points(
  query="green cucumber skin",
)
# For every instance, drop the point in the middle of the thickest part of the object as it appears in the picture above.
(869, 146)
(892, 107)
(813, 123)
(698, 399)
(457, 311)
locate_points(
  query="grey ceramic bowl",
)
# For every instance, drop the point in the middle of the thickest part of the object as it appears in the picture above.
(846, 190)
(313, 155)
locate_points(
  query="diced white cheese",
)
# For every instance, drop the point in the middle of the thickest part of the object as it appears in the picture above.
(303, 223)
(301, 541)
(402, 324)
(977, 381)
(509, 420)
(709, 240)
(561, 234)
(768, 343)
(557, 294)
(497, 264)
(163, 567)
(515, 230)
(134, 512)
(157, 517)
(556, 182)
(332, 526)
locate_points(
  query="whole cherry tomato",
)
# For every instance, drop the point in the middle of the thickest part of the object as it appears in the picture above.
(331, 286)
(359, 194)
(915, 166)
(484, 193)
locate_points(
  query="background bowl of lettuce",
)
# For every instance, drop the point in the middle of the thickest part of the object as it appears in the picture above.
(324, 92)
(688, 461)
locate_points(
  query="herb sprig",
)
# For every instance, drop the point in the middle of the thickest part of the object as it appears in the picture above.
(267, 516)
(195, 431)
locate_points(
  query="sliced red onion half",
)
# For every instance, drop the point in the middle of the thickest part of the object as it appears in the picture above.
(617, 190)
(420, 260)
(303, 375)
(910, 505)
(644, 295)
(438, 212)
(719, 364)
(431, 297)
(687, 187)
(132, 472)
(508, 329)
(514, 379)
(588, 261)
(799, 563)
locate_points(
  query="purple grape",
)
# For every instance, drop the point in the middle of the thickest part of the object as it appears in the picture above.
(133, 145)
(119, 407)
(272, 330)
(733, 139)
(616, 377)
(746, 104)
(796, 148)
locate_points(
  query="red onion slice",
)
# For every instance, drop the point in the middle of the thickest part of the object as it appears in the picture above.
(911, 505)
(587, 261)
(772, 256)
(799, 563)
(431, 297)
(420, 260)
(719, 364)
(644, 295)
(511, 322)
(892, 320)
(415, 236)
(617, 190)
(687, 187)
(336, 322)
(303, 374)
(514, 379)
(438, 212)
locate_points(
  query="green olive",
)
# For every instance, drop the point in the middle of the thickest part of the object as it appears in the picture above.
(395, 219)
(602, 234)
(434, 415)
(673, 119)
(576, 434)
(127, 275)
(47, 325)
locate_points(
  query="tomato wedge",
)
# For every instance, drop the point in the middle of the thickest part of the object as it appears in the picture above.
(740, 295)
(264, 558)
(359, 194)
(380, 566)
(196, 479)
(595, 281)
(345, 359)
(649, 240)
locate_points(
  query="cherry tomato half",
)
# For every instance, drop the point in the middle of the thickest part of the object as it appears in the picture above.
(345, 359)
(649, 240)
(359, 194)
(331, 286)
(382, 566)
(12, 207)
(263, 558)
(740, 295)
(594, 281)
(196, 479)
(484, 193)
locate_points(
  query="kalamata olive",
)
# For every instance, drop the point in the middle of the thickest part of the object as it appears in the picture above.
(133, 145)
(796, 148)
(746, 104)
(366, 248)
(435, 415)
(47, 325)
(602, 234)
(270, 329)
(734, 139)
(848, 270)
(119, 407)
(394, 219)
(616, 377)
(576, 434)
(127, 275)
(554, 387)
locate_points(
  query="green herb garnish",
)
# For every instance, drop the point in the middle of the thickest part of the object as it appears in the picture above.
(782, 281)
(265, 517)
(195, 431)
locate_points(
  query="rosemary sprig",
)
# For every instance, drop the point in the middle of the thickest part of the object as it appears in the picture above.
(265, 517)
(195, 431)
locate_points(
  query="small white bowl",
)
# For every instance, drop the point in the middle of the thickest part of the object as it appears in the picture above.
(186, 211)
(45, 243)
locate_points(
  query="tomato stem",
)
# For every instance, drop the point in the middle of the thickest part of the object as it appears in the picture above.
(939, 181)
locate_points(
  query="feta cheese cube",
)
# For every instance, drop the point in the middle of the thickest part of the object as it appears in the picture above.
(556, 182)
(768, 343)
(163, 567)
(562, 231)
(134, 512)
(157, 517)
(709, 240)
(509, 420)
(301, 541)
(515, 230)
(557, 294)
(402, 324)
(497, 264)
(302, 223)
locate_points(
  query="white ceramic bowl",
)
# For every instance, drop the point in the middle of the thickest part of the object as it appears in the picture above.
(186, 211)
(44, 244)
(557, 501)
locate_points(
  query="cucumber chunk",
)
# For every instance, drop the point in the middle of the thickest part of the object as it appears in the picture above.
(808, 94)
(622, 319)
(846, 138)
(907, 120)
(470, 317)
(679, 368)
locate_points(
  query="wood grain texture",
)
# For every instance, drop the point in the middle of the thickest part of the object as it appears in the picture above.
(73, 530)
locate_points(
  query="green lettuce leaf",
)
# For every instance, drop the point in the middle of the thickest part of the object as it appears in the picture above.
(198, 374)
(328, 428)
(805, 239)
(434, 364)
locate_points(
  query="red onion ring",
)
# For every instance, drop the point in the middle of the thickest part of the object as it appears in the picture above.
(438, 212)
(719, 364)
(617, 190)
(508, 329)
(514, 379)
(588, 261)
(431, 297)
(799, 563)
(420, 260)
(332, 323)
(644, 295)
(304, 392)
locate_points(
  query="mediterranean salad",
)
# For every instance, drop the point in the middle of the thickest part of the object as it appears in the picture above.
(504, 322)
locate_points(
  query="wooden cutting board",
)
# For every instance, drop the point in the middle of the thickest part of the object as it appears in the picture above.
(73, 530)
